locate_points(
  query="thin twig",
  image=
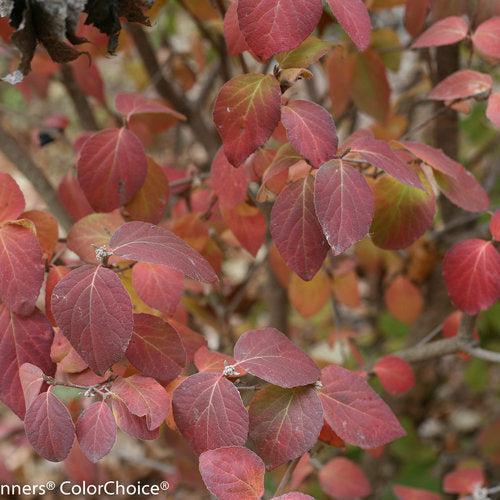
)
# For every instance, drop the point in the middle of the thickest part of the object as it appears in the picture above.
(286, 477)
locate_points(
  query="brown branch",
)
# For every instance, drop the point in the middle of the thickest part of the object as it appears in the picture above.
(79, 99)
(18, 156)
(168, 91)
(286, 477)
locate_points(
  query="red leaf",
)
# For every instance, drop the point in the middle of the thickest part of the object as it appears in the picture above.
(135, 107)
(88, 78)
(433, 157)
(209, 412)
(276, 414)
(294, 495)
(340, 82)
(235, 40)
(395, 374)
(296, 231)
(111, 168)
(11, 198)
(132, 424)
(31, 378)
(444, 32)
(461, 85)
(212, 361)
(407, 493)
(229, 183)
(344, 204)
(56, 273)
(471, 269)
(91, 232)
(343, 479)
(233, 473)
(156, 348)
(246, 112)
(148, 243)
(21, 266)
(379, 154)
(311, 130)
(94, 312)
(272, 26)
(72, 197)
(493, 109)
(271, 356)
(463, 481)
(47, 230)
(495, 225)
(150, 202)
(49, 427)
(96, 431)
(143, 397)
(22, 340)
(404, 300)
(191, 340)
(353, 17)
(158, 286)
(486, 38)
(415, 14)
(354, 411)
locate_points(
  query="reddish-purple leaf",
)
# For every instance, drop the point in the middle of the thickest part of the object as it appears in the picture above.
(56, 274)
(311, 130)
(354, 411)
(229, 183)
(463, 481)
(407, 493)
(246, 112)
(486, 38)
(11, 198)
(111, 168)
(402, 213)
(31, 378)
(49, 427)
(148, 243)
(94, 312)
(276, 415)
(415, 14)
(158, 286)
(379, 154)
(493, 109)
(395, 374)
(72, 197)
(96, 431)
(213, 361)
(143, 397)
(156, 348)
(343, 479)
(462, 85)
(296, 231)
(233, 473)
(273, 357)
(21, 266)
(91, 232)
(272, 26)
(235, 40)
(132, 424)
(353, 17)
(495, 225)
(22, 340)
(471, 269)
(444, 32)
(344, 204)
(209, 412)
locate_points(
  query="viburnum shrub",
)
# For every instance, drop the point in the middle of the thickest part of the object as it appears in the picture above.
(97, 323)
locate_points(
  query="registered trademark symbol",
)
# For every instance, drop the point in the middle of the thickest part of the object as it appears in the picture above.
(51, 486)
(164, 486)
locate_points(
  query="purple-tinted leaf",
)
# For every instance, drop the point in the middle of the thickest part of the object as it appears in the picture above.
(311, 130)
(233, 473)
(271, 356)
(354, 411)
(462, 85)
(284, 423)
(353, 17)
(94, 312)
(344, 204)
(486, 38)
(235, 40)
(11, 198)
(96, 431)
(229, 183)
(446, 31)
(148, 243)
(144, 397)
(49, 427)
(209, 412)
(31, 378)
(22, 340)
(156, 348)
(295, 229)
(132, 424)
